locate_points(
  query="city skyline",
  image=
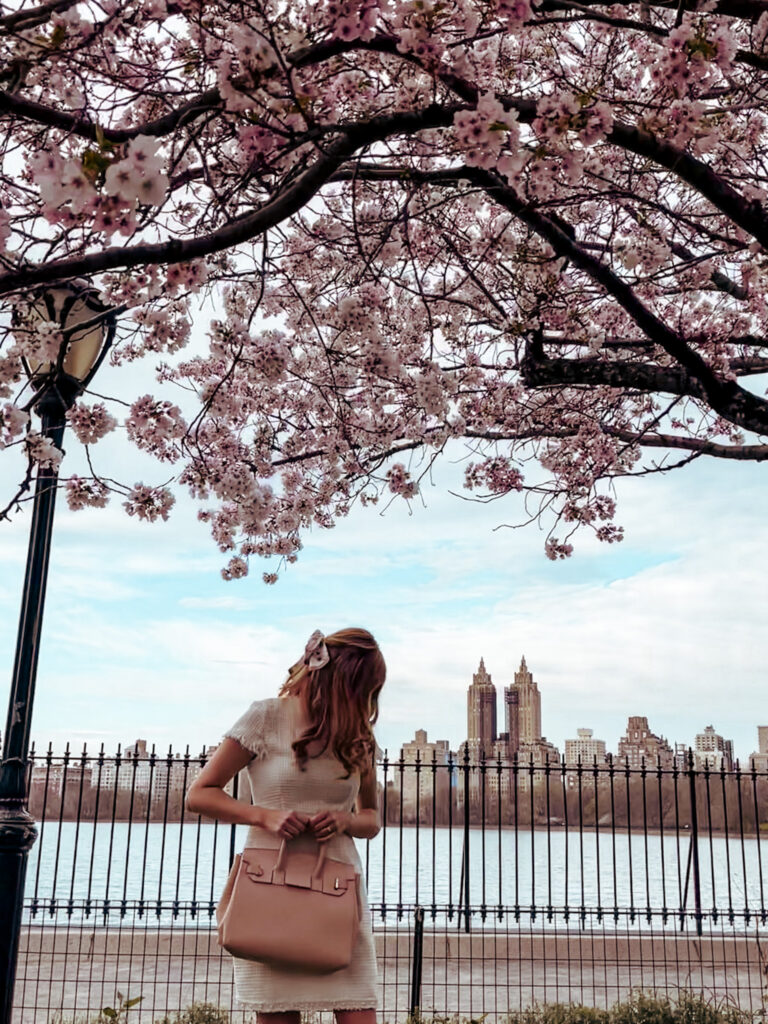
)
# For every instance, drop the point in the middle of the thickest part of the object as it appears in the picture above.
(523, 736)
(522, 706)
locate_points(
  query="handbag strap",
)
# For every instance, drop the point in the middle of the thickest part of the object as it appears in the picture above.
(278, 872)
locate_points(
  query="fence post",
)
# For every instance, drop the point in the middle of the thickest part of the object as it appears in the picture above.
(418, 955)
(465, 857)
(695, 844)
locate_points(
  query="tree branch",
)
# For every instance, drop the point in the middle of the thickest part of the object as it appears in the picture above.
(288, 201)
(21, 20)
(73, 124)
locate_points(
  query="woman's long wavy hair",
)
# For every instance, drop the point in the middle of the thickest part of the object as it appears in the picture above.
(342, 699)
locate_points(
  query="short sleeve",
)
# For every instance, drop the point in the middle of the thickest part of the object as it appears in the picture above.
(253, 729)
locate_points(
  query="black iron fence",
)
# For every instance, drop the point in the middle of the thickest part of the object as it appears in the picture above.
(492, 885)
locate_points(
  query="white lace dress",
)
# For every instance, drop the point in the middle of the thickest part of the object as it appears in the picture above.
(267, 729)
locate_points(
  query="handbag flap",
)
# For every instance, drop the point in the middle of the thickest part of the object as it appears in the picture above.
(335, 876)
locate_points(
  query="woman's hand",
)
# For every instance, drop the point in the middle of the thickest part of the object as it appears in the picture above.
(286, 824)
(328, 824)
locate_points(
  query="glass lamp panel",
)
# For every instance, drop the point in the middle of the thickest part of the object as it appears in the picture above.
(84, 346)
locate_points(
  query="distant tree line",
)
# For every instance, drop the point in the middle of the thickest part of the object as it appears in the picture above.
(724, 803)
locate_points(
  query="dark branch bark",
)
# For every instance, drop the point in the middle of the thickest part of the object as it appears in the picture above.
(288, 201)
(20, 20)
(748, 9)
(749, 215)
(701, 446)
(725, 397)
(539, 370)
(12, 103)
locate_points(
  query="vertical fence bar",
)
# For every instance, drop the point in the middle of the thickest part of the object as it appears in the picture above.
(418, 955)
(596, 776)
(465, 855)
(233, 828)
(385, 832)
(724, 791)
(695, 844)
(741, 840)
(758, 843)
(660, 787)
(483, 798)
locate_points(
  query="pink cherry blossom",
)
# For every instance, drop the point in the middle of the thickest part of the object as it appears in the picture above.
(368, 234)
(86, 493)
(13, 422)
(149, 503)
(90, 424)
(42, 450)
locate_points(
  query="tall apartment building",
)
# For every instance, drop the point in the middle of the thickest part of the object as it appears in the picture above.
(759, 758)
(481, 714)
(511, 719)
(522, 703)
(585, 749)
(430, 783)
(712, 751)
(640, 746)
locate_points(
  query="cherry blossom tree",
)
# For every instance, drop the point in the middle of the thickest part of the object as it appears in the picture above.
(533, 231)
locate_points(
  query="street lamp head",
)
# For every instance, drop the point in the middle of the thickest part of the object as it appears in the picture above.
(87, 326)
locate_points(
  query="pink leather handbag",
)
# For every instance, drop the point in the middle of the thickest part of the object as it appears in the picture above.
(290, 909)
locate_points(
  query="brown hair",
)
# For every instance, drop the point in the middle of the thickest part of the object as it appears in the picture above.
(342, 698)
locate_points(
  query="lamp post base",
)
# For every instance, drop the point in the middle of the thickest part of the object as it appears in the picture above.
(17, 836)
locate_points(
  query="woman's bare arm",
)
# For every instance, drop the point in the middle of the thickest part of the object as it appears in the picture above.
(362, 823)
(206, 795)
(367, 821)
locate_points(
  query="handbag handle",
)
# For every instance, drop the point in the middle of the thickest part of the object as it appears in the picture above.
(278, 872)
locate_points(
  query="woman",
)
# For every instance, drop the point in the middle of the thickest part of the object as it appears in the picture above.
(310, 757)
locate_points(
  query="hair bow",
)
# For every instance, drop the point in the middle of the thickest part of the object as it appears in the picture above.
(316, 652)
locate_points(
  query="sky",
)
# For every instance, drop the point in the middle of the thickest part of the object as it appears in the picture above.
(143, 639)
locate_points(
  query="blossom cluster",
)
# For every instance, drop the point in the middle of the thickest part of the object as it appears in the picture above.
(83, 493)
(400, 482)
(91, 423)
(78, 186)
(693, 53)
(372, 293)
(155, 426)
(13, 422)
(483, 133)
(149, 503)
(41, 450)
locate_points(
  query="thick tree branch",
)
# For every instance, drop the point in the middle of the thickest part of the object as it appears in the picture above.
(25, 19)
(73, 124)
(729, 400)
(287, 202)
(699, 445)
(748, 9)
(748, 215)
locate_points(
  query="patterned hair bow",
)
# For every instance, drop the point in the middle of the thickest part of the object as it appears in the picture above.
(316, 652)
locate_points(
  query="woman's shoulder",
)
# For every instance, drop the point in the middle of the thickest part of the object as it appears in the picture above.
(255, 727)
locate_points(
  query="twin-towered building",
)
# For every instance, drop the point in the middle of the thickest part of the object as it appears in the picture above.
(522, 719)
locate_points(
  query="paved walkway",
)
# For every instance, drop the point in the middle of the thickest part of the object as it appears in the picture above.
(69, 973)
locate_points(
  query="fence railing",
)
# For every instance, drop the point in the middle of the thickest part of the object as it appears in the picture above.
(510, 853)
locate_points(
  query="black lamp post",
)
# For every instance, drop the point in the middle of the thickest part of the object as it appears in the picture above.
(88, 328)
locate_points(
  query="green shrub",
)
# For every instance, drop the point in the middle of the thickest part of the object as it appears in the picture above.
(198, 1013)
(639, 1008)
(560, 1013)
